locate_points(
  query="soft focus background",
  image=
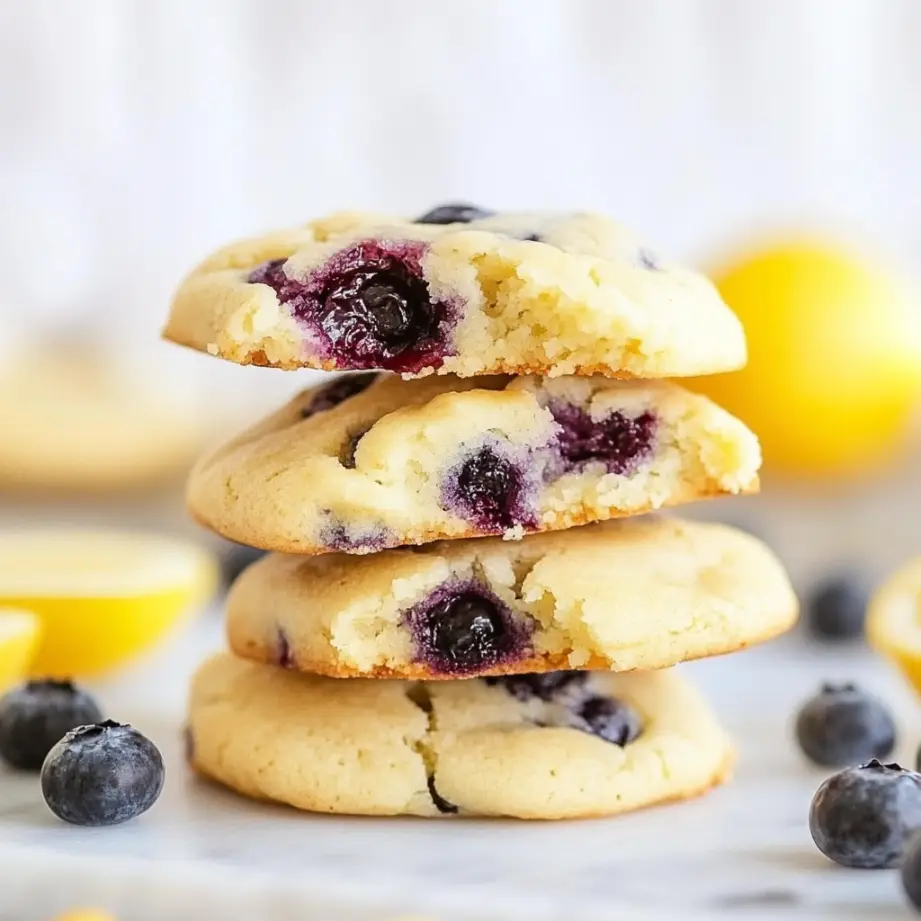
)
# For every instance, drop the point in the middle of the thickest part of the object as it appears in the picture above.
(136, 136)
(776, 145)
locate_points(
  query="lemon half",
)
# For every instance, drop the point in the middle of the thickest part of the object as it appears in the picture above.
(894, 620)
(19, 634)
(102, 596)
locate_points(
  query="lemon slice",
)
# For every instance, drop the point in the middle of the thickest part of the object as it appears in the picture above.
(894, 620)
(102, 596)
(19, 633)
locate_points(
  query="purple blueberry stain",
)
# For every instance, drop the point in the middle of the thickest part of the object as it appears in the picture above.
(337, 537)
(283, 654)
(463, 628)
(618, 441)
(490, 490)
(369, 306)
(610, 719)
(567, 700)
(338, 391)
(542, 685)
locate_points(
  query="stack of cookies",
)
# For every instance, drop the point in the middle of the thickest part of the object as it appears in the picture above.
(461, 614)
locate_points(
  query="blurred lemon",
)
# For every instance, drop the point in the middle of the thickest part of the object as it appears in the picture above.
(85, 914)
(19, 634)
(101, 596)
(834, 356)
(894, 621)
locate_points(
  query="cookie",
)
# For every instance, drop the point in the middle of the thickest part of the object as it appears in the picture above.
(369, 462)
(76, 422)
(633, 594)
(460, 292)
(553, 746)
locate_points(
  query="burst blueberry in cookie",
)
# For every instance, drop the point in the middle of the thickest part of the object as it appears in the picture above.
(455, 458)
(462, 629)
(454, 291)
(490, 490)
(437, 748)
(369, 306)
(618, 441)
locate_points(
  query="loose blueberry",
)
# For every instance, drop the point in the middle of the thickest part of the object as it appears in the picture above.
(462, 630)
(102, 774)
(543, 685)
(340, 390)
(369, 306)
(842, 725)
(36, 716)
(837, 608)
(911, 870)
(454, 213)
(233, 561)
(620, 442)
(610, 719)
(441, 804)
(863, 816)
(489, 491)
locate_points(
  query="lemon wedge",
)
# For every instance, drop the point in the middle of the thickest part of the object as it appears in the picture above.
(102, 596)
(19, 633)
(894, 621)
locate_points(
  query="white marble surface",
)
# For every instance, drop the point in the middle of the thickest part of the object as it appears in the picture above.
(744, 852)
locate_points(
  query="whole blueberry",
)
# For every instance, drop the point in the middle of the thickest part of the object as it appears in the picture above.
(836, 608)
(453, 213)
(35, 716)
(843, 724)
(102, 774)
(911, 870)
(463, 633)
(863, 816)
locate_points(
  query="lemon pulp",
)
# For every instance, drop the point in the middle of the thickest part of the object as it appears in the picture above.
(102, 596)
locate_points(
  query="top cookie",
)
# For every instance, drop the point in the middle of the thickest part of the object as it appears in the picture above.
(457, 291)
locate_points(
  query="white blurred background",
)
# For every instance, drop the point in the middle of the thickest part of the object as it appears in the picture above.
(137, 135)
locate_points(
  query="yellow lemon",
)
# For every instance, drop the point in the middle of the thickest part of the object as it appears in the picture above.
(19, 634)
(894, 621)
(101, 595)
(834, 366)
(85, 914)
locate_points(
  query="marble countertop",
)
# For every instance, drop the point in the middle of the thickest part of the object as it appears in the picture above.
(743, 852)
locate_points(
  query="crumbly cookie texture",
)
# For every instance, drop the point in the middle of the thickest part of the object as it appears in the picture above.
(532, 747)
(373, 461)
(632, 594)
(514, 293)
